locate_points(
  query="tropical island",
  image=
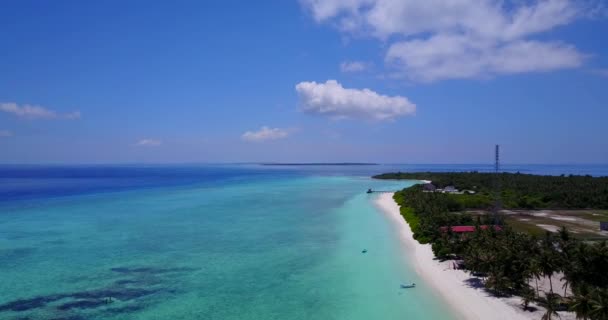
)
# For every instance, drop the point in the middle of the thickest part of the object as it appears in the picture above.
(487, 225)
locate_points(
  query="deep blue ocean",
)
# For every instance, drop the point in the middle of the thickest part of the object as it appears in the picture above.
(40, 181)
(209, 242)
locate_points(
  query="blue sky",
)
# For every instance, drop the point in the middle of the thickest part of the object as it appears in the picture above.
(359, 80)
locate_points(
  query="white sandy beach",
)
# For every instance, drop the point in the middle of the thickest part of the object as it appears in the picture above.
(453, 285)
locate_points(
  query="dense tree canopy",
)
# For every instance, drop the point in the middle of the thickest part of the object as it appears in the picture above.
(524, 191)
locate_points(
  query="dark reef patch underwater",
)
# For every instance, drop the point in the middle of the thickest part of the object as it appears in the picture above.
(123, 296)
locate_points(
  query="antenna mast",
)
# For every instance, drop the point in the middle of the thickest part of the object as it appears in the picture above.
(497, 202)
(497, 163)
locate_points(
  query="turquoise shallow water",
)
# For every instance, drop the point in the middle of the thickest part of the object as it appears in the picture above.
(281, 247)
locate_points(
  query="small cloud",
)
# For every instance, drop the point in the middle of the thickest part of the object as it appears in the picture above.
(149, 143)
(333, 100)
(73, 115)
(600, 72)
(5, 134)
(35, 112)
(264, 134)
(331, 134)
(353, 66)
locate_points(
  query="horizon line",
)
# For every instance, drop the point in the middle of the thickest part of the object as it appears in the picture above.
(270, 163)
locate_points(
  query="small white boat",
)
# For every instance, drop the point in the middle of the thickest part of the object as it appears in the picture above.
(408, 286)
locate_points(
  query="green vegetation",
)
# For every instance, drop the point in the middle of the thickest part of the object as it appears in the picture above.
(436, 207)
(519, 191)
(509, 261)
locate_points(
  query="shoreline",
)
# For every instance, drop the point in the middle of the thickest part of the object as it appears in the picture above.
(456, 287)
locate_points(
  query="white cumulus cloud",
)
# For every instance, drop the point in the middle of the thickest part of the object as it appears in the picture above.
(5, 133)
(353, 66)
(149, 143)
(457, 57)
(264, 134)
(333, 100)
(35, 112)
(433, 40)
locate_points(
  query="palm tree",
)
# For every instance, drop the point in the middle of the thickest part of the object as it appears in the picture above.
(600, 305)
(566, 257)
(582, 302)
(534, 263)
(564, 235)
(547, 259)
(551, 303)
(527, 295)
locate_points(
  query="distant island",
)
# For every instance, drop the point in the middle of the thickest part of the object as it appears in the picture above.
(512, 231)
(320, 164)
